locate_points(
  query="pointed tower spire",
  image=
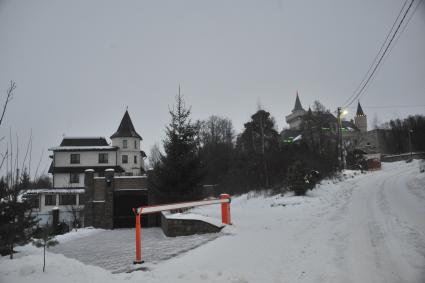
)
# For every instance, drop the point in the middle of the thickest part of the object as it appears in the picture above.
(359, 110)
(126, 128)
(297, 104)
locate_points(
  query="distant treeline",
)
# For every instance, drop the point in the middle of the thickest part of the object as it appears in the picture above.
(209, 152)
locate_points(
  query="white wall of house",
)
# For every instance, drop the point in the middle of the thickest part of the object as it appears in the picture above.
(62, 180)
(87, 158)
(45, 215)
(132, 150)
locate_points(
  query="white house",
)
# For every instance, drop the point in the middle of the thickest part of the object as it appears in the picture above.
(76, 154)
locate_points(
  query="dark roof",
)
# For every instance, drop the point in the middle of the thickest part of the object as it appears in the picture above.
(349, 124)
(81, 169)
(290, 134)
(143, 153)
(297, 104)
(93, 141)
(359, 110)
(126, 128)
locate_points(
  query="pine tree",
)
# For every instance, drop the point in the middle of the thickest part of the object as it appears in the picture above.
(177, 176)
(259, 143)
(16, 219)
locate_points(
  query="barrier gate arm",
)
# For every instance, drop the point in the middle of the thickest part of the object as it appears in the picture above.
(224, 200)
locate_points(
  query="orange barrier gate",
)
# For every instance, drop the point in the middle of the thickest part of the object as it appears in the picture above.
(224, 200)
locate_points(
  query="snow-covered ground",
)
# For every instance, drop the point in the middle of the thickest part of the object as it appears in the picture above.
(115, 250)
(367, 228)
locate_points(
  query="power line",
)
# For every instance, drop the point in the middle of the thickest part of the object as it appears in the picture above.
(396, 40)
(392, 106)
(360, 92)
(377, 55)
(407, 23)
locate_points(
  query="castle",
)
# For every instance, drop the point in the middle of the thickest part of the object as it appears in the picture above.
(355, 134)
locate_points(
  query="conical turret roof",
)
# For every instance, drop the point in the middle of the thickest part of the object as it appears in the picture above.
(297, 104)
(126, 128)
(359, 110)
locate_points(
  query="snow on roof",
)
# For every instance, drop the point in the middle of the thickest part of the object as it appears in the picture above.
(299, 137)
(80, 137)
(82, 148)
(131, 177)
(56, 191)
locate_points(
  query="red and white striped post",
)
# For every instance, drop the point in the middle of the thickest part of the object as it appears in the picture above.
(225, 209)
(138, 237)
(225, 216)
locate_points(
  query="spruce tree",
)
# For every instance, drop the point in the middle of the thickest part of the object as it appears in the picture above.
(178, 174)
(16, 219)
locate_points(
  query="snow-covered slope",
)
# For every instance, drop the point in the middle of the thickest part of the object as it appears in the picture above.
(368, 228)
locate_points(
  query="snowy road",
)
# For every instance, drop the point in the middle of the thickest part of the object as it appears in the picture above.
(370, 228)
(366, 228)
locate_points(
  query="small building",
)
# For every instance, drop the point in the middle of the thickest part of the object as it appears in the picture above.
(122, 161)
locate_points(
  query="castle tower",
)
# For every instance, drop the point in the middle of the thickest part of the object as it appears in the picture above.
(360, 120)
(295, 118)
(129, 155)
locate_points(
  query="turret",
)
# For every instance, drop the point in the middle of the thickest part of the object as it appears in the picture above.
(360, 120)
(130, 157)
(295, 118)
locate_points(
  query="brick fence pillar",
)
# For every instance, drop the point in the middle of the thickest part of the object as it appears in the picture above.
(89, 197)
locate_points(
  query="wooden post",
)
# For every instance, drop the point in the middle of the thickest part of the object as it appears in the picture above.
(225, 210)
(138, 238)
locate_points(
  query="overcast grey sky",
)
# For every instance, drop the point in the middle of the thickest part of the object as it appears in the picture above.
(78, 64)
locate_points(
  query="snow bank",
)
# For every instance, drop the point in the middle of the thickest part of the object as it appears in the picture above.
(367, 228)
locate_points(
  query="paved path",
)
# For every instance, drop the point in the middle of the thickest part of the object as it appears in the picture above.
(114, 249)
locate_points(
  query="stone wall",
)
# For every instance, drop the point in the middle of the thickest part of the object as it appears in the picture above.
(186, 227)
(100, 195)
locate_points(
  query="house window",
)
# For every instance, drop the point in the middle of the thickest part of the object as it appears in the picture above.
(74, 178)
(81, 199)
(103, 158)
(34, 201)
(135, 144)
(135, 159)
(67, 199)
(124, 143)
(75, 159)
(49, 200)
(124, 159)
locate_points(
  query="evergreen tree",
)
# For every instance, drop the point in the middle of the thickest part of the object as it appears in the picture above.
(178, 175)
(258, 147)
(16, 219)
(216, 148)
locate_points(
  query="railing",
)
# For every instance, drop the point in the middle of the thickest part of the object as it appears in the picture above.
(224, 200)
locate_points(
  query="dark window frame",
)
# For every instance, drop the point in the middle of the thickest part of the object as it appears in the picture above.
(124, 144)
(74, 180)
(135, 159)
(135, 144)
(52, 200)
(75, 158)
(68, 199)
(124, 159)
(102, 158)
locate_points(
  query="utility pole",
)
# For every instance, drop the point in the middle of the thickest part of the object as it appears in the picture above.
(339, 137)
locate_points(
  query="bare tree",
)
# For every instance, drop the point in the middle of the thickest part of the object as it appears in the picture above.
(75, 216)
(9, 96)
(155, 155)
